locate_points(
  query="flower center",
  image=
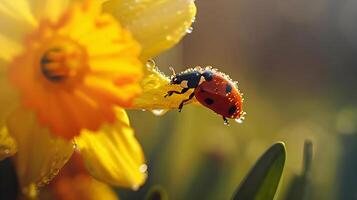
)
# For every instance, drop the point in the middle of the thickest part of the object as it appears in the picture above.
(73, 73)
(62, 60)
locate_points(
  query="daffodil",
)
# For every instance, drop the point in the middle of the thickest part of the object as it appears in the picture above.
(68, 69)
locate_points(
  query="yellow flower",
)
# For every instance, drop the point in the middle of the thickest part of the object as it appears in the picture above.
(67, 71)
(73, 72)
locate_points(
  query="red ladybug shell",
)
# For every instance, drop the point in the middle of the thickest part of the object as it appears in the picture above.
(221, 96)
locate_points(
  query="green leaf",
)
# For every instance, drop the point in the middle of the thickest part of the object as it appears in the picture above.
(157, 193)
(300, 184)
(262, 181)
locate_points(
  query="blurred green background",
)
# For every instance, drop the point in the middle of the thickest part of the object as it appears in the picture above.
(295, 61)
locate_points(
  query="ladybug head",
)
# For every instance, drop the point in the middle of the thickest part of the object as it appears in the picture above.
(175, 79)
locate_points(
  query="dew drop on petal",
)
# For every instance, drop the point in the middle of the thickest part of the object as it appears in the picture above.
(143, 168)
(169, 37)
(159, 112)
(150, 64)
(189, 30)
(7, 151)
(135, 187)
(75, 146)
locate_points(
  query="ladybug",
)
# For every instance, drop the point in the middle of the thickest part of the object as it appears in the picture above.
(213, 89)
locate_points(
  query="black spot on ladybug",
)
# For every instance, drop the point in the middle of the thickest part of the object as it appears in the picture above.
(209, 101)
(232, 110)
(202, 90)
(228, 88)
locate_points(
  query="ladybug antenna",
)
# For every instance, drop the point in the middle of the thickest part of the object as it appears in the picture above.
(173, 71)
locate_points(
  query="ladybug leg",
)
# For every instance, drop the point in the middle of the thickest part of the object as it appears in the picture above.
(225, 120)
(189, 98)
(169, 93)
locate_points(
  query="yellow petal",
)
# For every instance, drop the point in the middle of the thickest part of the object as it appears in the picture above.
(17, 9)
(10, 48)
(40, 155)
(16, 20)
(82, 186)
(157, 25)
(8, 102)
(7, 144)
(8, 96)
(97, 77)
(19, 17)
(113, 155)
(155, 86)
(49, 9)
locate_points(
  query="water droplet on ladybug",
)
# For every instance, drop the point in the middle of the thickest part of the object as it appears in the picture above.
(159, 112)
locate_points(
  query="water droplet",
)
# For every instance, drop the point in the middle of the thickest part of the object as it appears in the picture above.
(143, 110)
(150, 64)
(159, 112)
(75, 146)
(189, 30)
(168, 37)
(143, 168)
(135, 187)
